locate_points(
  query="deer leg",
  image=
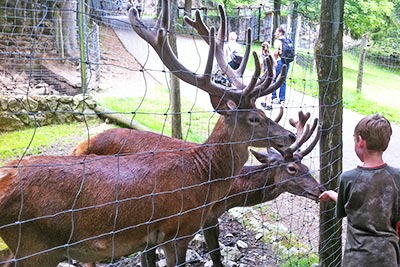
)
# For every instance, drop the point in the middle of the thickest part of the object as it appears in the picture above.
(211, 235)
(148, 258)
(7, 257)
(175, 252)
(45, 260)
(34, 242)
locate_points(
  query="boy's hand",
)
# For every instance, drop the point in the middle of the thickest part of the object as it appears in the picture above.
(327, 195)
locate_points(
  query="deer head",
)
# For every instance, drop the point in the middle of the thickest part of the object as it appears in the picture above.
(291, 175)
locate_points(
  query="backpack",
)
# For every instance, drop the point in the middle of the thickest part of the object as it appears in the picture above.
(288, 53)
(236, 57)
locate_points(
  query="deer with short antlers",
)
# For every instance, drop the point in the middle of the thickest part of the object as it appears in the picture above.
(93, 208)
(254, 185)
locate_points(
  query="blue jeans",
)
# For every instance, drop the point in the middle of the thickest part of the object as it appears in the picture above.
(282, 89)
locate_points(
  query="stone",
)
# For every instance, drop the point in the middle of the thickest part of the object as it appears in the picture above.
(9, 122)
(231, 253)
(14, 105)
(258, 236)
(241, 245)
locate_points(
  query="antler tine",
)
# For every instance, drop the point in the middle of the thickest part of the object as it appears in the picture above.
(280, 115)
(315, 123)
(268, 76)
(234, 75)
(265, 87)
(239, 71)
(302, 154)
(302, 135)
(199, 25)
(299, 125)
(157, 38)
(251, 87)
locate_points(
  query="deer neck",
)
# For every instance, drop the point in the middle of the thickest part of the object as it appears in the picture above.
(254, 185)
(223, 144)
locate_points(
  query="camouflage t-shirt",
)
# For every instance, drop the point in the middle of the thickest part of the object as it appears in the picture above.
(369, 199)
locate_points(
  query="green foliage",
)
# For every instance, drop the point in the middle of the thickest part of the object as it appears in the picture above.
(3, 246)
(304, 261)
(230, 5)
(366, 16)
(356, 102)
(309, 9)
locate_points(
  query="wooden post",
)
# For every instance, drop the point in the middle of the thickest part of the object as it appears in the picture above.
(329, 63)
(175, 90)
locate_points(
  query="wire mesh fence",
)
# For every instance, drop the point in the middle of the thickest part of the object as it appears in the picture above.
(66, 61)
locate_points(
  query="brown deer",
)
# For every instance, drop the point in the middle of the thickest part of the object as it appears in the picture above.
(254, 184)
(92, 208)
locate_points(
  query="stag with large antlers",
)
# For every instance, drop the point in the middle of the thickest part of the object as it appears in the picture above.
(92, 208)
(254, 184)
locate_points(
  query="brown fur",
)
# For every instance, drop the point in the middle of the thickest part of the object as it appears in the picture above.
(122, 204)
(254, 184)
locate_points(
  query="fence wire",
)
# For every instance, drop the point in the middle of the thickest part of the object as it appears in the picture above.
(45, 45)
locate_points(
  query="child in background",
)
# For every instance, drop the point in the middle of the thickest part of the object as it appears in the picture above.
(265, 53)
(368, 195)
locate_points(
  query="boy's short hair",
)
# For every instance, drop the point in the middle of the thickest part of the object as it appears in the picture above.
(375, 130)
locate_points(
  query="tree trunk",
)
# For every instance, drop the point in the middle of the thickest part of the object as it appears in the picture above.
(329, 63)
(188, 8)
(277, 17)
(68, 14)
(293, 28)
(363, 53)
(175, 92)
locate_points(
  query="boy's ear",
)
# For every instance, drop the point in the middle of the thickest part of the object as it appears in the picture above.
(361, 141)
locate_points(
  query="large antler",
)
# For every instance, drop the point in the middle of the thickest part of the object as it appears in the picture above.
(242, 94)
(267, 78)
(302, 136)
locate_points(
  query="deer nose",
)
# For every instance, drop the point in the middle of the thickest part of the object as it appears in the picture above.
(321, 188)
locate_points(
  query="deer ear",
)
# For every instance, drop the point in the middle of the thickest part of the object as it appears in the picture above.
(261, 157)
(221, 105)
(274, 156)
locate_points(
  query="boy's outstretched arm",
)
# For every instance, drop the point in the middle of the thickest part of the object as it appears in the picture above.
(327, 195)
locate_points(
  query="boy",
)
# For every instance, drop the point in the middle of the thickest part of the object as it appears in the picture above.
(368, 196)
(265, 53)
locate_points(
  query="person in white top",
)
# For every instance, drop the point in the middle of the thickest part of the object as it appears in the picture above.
(233, 51)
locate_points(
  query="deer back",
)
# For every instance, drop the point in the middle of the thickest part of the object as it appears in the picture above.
(104, 206)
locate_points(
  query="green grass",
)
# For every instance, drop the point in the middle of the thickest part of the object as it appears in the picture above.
(306, 261)
(34, 141)
(153, 111)
(380, 90)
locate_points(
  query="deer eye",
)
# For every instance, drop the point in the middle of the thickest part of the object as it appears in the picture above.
(291, 169)
(254, 119)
